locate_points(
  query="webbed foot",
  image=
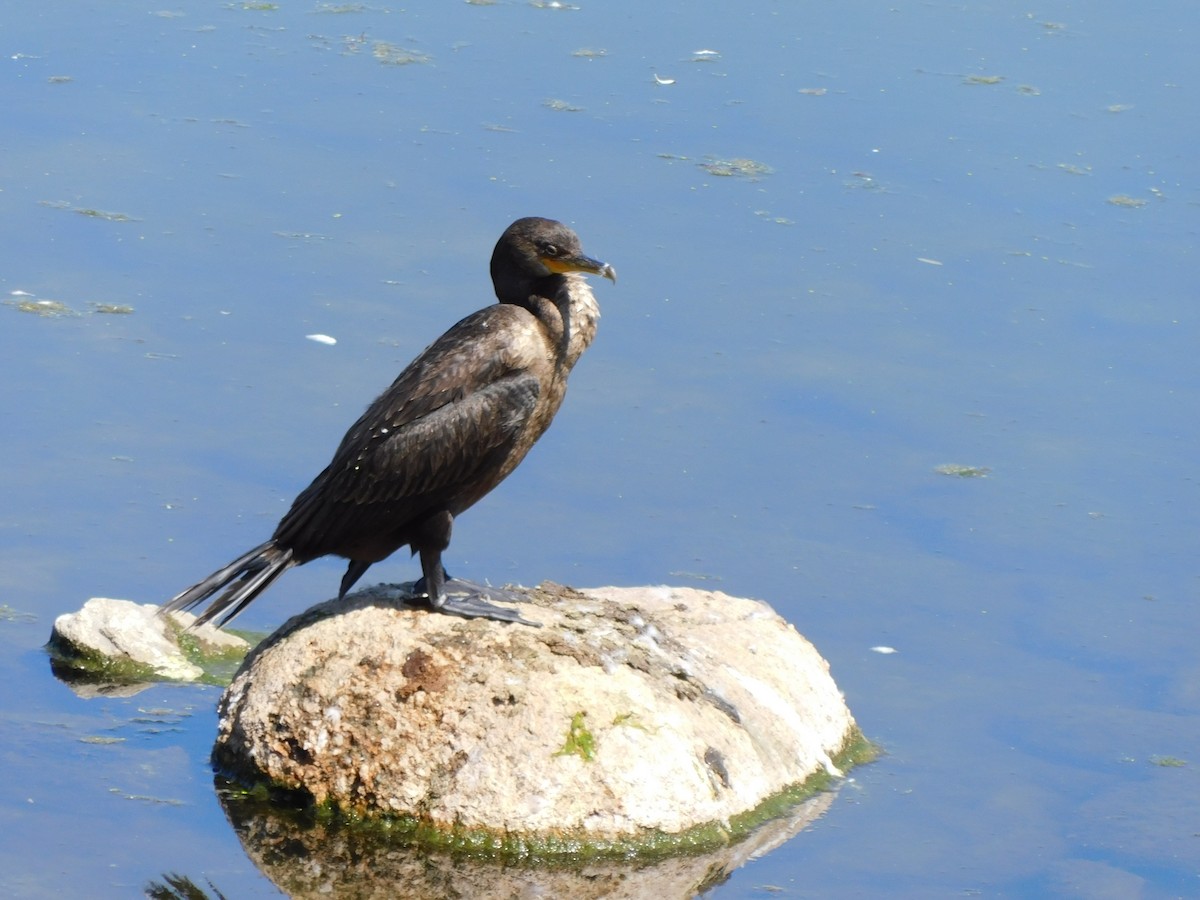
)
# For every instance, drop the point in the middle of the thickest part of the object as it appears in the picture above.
(471, 601)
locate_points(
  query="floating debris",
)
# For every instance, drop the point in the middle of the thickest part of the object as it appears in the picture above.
(699, 576)
(301, 235)
(1168, 762)
(550, 4)
(101, 739)
(705, 55)
(865, 181)
(983, 79)
(351, 43)
(392, 55)
(738, 167)
(321, 339)
(8, 614)
(929, 262)
(338, 9)
(1029, 90)
(106, 216)
(111, 309)
(777, 220)
(59, 79)
(50, 309)
(958, 471)
(589, 53)
(1127, 201)
(658, 80)
(813, 92)
(884, 650)
(561, 106)
(87, 211)
(146, 798)
(1119, 107)
(260, 6)
(1072, 169)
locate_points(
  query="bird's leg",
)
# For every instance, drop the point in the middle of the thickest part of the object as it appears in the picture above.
(432, 585)
(471, 603)
(433, 536)
(354, 571)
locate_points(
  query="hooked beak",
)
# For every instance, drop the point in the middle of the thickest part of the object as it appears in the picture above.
(580, 264)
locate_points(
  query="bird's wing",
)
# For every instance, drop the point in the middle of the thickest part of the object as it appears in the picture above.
(446, 422)
(441, 449)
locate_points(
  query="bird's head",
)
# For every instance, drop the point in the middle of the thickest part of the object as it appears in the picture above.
(533, 248)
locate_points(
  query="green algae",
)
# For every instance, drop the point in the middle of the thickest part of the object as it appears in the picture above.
(580, 741)
(219, 665)
(77, 663)
(74, 662)
(262, 801)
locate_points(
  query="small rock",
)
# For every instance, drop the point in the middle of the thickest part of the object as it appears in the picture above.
(120, 640)
(633, 713)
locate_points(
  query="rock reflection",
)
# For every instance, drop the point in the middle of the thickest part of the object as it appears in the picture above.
(306, 858)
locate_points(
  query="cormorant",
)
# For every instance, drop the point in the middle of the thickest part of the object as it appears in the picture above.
(448, 430)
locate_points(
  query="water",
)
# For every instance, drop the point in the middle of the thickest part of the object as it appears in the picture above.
(974, 246)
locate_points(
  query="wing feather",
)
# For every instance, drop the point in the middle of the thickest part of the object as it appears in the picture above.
(443, 434)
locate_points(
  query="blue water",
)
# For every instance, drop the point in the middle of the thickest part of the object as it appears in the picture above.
(974, 245)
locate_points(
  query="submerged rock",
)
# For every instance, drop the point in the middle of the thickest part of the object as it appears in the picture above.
(120, 641)
(634, 719)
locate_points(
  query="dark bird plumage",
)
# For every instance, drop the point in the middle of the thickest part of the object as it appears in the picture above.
(450, 428)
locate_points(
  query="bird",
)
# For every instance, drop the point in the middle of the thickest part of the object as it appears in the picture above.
(453, 425)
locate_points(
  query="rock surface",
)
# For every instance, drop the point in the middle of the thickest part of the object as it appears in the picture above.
(123, 640)
(633, 713)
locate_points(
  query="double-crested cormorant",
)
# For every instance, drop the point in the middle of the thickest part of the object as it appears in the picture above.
(448, 430)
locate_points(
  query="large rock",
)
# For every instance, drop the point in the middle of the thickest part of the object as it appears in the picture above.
(634, 716)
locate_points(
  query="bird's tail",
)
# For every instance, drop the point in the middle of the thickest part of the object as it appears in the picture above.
(243, 580)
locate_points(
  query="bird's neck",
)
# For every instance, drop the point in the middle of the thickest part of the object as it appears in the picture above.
(567, 309)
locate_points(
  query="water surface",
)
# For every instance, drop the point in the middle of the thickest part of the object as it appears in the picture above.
(855, 244)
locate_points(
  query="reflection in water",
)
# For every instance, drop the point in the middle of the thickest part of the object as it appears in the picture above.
(307, 858)
(90, 686)
(179, 887)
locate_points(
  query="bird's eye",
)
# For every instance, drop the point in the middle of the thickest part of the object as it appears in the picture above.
(551, 250)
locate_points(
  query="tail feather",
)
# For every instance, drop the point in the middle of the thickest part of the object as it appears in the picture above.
(242, 580)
